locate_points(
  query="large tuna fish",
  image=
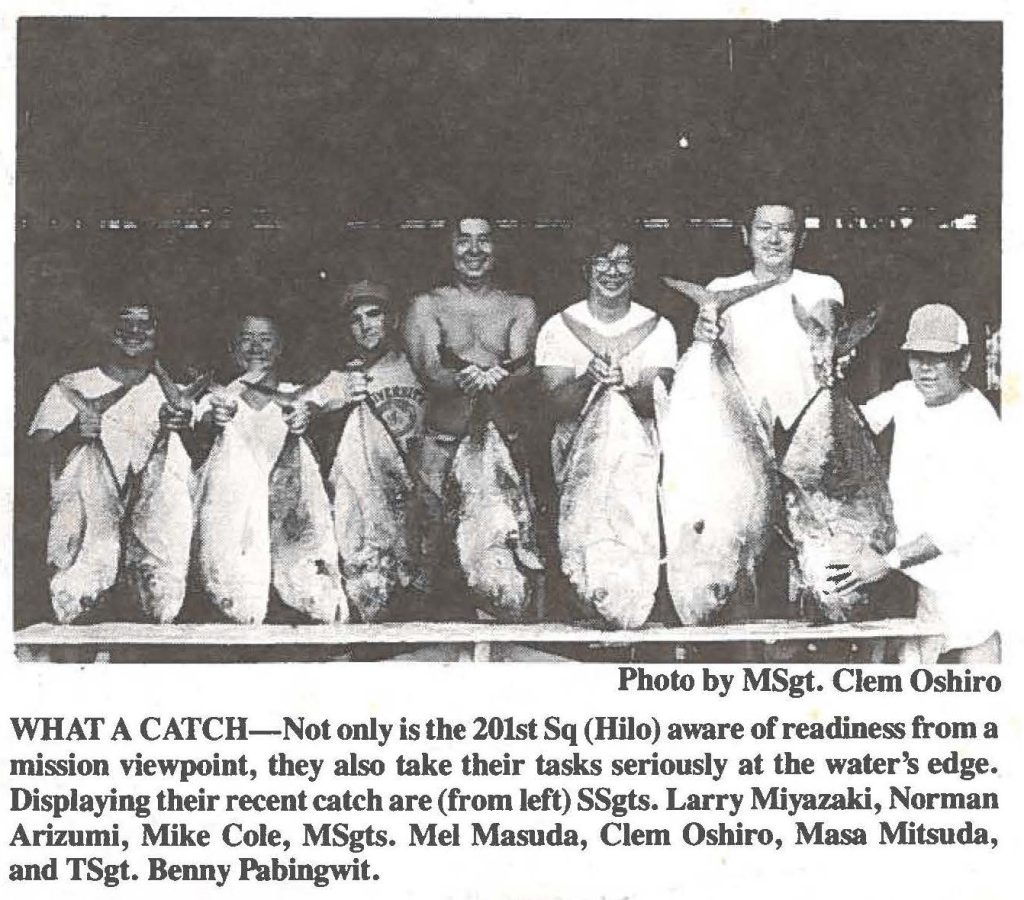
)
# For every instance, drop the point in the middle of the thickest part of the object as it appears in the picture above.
(835, 487)
(303, 552)
(608, 511)
(372, 492)
(231, 530)
(489, 500)
(84, 544)
(718, 486)
(157, 531)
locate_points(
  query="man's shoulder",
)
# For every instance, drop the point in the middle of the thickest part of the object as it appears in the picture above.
(575, 310)
(727, 282)
(521, 303)
(427, 301)
(554, 326)
(814, 279)
(87, 382)
(979, 406)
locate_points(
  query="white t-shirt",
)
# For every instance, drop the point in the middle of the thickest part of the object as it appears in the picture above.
(946, 478)
(557, 346)
(264, 430)
(394, 393)
(769, 349)
(128, 429)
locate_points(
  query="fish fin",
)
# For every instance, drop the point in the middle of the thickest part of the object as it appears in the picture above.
(699, 295)
(170, 390)
(817, 332)
(851, 335)
(724, 299)
(92, 404)
(196, 388)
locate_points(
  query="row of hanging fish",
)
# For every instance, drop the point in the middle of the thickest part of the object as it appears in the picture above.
(723, 492)
(143, 534)
(139, 532)
(827, 477)
(249, 540)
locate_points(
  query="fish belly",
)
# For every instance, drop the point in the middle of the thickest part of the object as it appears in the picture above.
(837, 500)
(718, 489)
(159, 534)
(494, 517)
(304, 555)
(84, 542)
(372, 496)
(232, 537)
(608, 514)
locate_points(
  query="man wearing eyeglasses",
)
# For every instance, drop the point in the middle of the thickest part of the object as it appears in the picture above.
(606, 338)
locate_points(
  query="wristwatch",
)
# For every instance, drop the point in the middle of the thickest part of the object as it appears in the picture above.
(893, 559)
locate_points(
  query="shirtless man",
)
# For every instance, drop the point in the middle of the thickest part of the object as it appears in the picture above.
(464, 340)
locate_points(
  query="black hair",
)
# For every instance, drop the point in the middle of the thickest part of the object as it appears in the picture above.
(118, 310)
(745, 218)
(593, 239)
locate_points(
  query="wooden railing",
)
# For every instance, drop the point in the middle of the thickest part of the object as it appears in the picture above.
(476, 641)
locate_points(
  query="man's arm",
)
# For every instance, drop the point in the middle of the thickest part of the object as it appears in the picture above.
(566, 391)
(57, 445)
(422, 334)
(869, 566)
(522, 341)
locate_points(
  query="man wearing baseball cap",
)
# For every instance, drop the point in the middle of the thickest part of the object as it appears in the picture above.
(372, 367)
(945, 484)
(358, 458)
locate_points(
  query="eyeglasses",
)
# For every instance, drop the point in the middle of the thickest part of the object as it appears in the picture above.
(603, 264)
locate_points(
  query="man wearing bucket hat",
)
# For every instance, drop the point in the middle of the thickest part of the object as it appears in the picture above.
(945, 484)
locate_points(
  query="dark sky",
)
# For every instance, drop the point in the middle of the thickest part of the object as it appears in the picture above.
(418, 118)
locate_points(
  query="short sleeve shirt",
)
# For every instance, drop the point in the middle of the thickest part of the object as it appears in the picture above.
(128, 428)
(946, 480)
(558, 346)
(767, 346)
(263, 430)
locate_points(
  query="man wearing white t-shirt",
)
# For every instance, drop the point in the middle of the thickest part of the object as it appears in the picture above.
(945, 480)
(120, 406)
(767, 346)
(605, 339)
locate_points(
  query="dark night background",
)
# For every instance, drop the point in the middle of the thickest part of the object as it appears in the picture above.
(307, 125)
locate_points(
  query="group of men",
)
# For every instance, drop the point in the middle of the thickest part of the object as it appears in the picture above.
(426, 372)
